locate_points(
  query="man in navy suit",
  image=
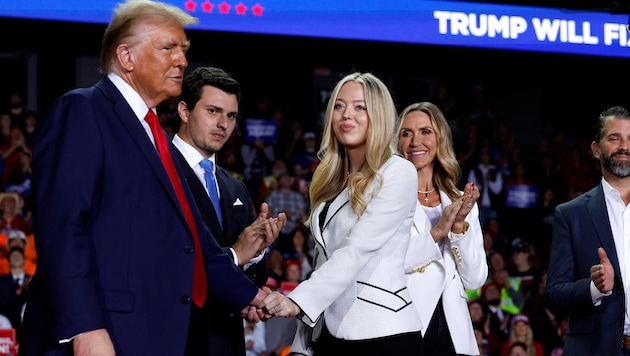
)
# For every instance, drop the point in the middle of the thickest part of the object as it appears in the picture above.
(208, 108)
(117, 234)
(587, 279)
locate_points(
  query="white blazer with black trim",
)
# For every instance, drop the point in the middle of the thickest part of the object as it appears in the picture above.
(358, 284)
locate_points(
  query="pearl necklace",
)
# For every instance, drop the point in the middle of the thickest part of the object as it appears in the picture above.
(426, 194)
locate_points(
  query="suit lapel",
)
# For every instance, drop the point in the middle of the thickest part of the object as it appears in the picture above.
(200, 194)
(340, 201)
(228, 199)
(127, 118)
(596, 209)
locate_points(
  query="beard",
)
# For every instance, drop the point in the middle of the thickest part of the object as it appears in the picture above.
(620, 169)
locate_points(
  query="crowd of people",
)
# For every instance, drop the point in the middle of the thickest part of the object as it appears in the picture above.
(298, 231)
(17, 242)
(516, 253)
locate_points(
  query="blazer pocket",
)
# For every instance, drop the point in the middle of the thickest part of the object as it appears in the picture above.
(118, 301)
(391, 300)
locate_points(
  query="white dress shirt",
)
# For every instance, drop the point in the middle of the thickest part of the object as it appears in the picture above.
(619, 215)
(193, 157)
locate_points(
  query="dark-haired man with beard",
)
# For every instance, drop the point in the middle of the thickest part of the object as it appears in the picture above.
(589, 271)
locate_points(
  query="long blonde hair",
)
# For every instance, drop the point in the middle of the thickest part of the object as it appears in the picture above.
(529, 339)
(330, 176)
(446, 169)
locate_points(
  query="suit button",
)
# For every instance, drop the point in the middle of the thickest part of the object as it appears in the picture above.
(188, 249)
(185, 300)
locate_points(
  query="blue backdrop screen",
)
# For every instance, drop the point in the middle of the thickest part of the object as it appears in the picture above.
(437, 22)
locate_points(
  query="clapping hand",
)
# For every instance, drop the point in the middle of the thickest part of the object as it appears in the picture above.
(470, 197)
(255, 238)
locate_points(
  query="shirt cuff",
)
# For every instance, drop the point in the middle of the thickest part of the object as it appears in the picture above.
(596, 295)
(255, 260)
(234, 256)
(65, 341)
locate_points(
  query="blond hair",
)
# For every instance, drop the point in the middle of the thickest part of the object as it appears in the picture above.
(330, 176)
(529, 339)
(446, 169)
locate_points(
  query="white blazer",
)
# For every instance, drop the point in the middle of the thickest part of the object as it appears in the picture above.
(358, 284)
(461, 266)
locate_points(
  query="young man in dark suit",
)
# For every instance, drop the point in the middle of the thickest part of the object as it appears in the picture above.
(208, 108)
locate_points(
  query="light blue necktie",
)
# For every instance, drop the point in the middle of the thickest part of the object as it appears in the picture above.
(211, 184)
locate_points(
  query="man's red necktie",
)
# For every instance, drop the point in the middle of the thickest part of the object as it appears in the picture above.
(200, 284)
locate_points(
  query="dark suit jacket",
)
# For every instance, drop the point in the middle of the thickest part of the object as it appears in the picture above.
(114, 248)
(581, 226)
(226, 327)
(11, 303)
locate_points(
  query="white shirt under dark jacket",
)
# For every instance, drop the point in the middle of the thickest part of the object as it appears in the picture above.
(619, 217)
(193, 157)
(19, 279)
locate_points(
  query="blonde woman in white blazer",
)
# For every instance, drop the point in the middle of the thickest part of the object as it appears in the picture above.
(356, 301)
(446, 234)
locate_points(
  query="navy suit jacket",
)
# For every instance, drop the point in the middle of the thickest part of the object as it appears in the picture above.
(226, 327)
(581, 226)
(114, 249)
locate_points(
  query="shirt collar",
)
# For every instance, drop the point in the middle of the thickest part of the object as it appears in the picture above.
(609, 191)
(132, 97)
(192, 156)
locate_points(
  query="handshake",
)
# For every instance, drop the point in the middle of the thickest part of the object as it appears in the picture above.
(268, 304)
